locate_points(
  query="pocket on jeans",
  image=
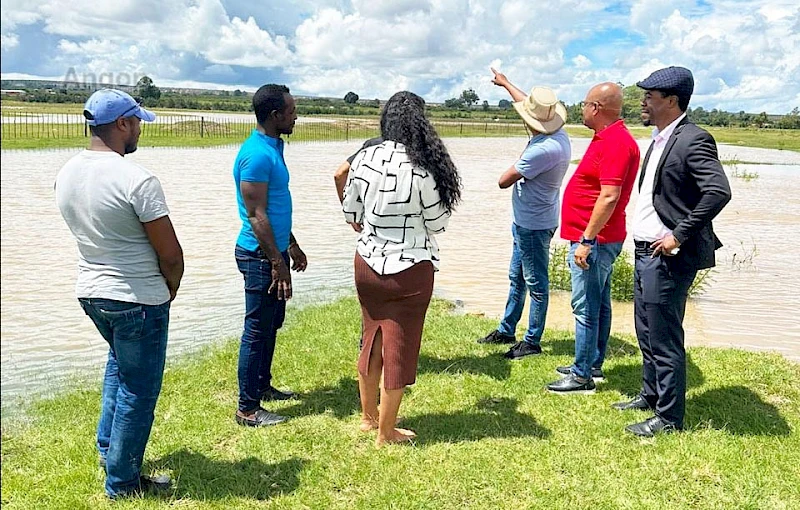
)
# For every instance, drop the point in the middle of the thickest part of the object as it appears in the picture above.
(257, 274)
(125, 323)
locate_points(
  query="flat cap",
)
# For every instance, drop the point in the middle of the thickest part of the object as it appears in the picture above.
(674, 79)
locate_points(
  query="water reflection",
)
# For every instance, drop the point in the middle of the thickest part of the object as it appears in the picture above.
(45, 335)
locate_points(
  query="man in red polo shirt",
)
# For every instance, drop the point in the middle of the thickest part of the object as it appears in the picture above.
(593, 221)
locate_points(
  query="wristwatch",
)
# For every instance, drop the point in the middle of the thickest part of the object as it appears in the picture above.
(588, 242)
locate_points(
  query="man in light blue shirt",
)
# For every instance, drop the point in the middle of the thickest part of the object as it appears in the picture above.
(263, 250)
(535, 180)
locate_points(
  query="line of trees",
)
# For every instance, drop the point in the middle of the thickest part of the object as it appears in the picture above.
(461, 106)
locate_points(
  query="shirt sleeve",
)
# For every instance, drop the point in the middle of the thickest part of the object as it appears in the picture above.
(434, 215)
(537, 158)
(148, 200)
(615, 162)
(353, 203)
(256, 168)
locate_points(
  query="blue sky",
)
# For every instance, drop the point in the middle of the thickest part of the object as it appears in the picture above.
(745, 54)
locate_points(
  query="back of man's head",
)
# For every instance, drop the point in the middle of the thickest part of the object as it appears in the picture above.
(269, 98)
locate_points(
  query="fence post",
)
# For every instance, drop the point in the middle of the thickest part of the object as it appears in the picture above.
(461, 129)
(202, 121)
(347, 130)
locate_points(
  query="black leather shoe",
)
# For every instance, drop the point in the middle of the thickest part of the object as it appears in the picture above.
(495, 337)
(275, 394)
(261, 418)
(650, 427)
(571, 384)
(638, 402)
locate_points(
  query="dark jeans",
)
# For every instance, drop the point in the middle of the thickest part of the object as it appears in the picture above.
(660, 295)
(137, 339)
(264, 314)
(527, 274)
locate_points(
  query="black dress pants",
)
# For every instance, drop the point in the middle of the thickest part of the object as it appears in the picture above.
(660, 295)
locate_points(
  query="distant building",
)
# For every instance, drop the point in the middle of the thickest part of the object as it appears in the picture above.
(12, 92)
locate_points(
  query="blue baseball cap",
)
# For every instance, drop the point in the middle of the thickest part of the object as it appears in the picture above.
(107, 105)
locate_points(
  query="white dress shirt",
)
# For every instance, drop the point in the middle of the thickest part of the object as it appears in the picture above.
(399, 207)
(647, 226)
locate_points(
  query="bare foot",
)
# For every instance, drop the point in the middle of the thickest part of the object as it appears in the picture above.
(398, 436)
(368, 424)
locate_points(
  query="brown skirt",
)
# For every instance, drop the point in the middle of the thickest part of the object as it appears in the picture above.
(395, 305)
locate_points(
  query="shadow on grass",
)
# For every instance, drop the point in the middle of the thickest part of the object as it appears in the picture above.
(737, 410)
(493, 365)
(617, 348)
(341, 399)
(627, 379)
(492, 418)
(200, 478)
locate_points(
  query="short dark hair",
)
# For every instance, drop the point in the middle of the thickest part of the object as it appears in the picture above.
(268, 98)
(683, 100)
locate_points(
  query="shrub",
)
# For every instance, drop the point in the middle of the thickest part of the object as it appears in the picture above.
(621, 278)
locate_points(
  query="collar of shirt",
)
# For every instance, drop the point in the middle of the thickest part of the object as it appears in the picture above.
(661, 137)
(608, 130)
(272, 142)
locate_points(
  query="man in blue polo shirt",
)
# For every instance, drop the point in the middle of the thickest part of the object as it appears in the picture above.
(263, 249)
(536, 181)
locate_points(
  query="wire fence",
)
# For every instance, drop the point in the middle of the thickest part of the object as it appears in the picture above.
(230, 127)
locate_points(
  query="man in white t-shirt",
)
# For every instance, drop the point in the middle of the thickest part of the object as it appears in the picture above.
(130, 266)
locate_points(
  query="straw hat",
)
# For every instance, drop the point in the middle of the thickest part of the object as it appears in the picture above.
(542, 111)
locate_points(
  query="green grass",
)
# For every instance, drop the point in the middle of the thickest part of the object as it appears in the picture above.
(57, 134)
(489, 436)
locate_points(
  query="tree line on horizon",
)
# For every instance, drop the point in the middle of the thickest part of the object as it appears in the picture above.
(461, 107)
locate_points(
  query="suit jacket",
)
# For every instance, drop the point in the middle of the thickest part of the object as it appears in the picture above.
(689, 190)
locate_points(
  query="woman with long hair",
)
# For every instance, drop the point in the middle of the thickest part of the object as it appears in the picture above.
(399, 194)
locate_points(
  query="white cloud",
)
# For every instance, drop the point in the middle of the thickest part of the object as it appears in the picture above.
(581, 62)
(745, 55)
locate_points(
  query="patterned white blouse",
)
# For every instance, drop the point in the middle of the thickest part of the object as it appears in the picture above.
(399, 207)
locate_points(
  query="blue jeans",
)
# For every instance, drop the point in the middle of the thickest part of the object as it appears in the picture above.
(137, 339)
(528, 275)
(591, 306)
(264, 314)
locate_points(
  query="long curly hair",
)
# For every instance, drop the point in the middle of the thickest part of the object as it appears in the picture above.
(403, 121)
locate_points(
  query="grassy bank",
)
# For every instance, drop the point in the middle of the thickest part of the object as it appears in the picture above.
(490, 436)
(53, 130)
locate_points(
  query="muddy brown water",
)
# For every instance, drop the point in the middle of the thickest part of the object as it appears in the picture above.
(45, 336)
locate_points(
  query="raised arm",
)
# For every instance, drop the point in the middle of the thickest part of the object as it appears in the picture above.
(500, 80)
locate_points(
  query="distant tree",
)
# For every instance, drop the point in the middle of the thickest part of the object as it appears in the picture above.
(237, 93)
(376, 103)
(791, 120)
(485, 105)
(631, 102)
(762, 120)
(504, 104)
(469, 97)
(453, 102)
(147, 90)
(351, 98)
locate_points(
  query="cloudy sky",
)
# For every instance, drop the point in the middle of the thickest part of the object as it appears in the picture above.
(745, 54)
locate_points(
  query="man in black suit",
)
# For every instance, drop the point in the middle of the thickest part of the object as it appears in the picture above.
(682, 187)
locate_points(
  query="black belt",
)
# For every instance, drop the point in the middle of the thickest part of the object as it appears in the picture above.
(642, 248)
